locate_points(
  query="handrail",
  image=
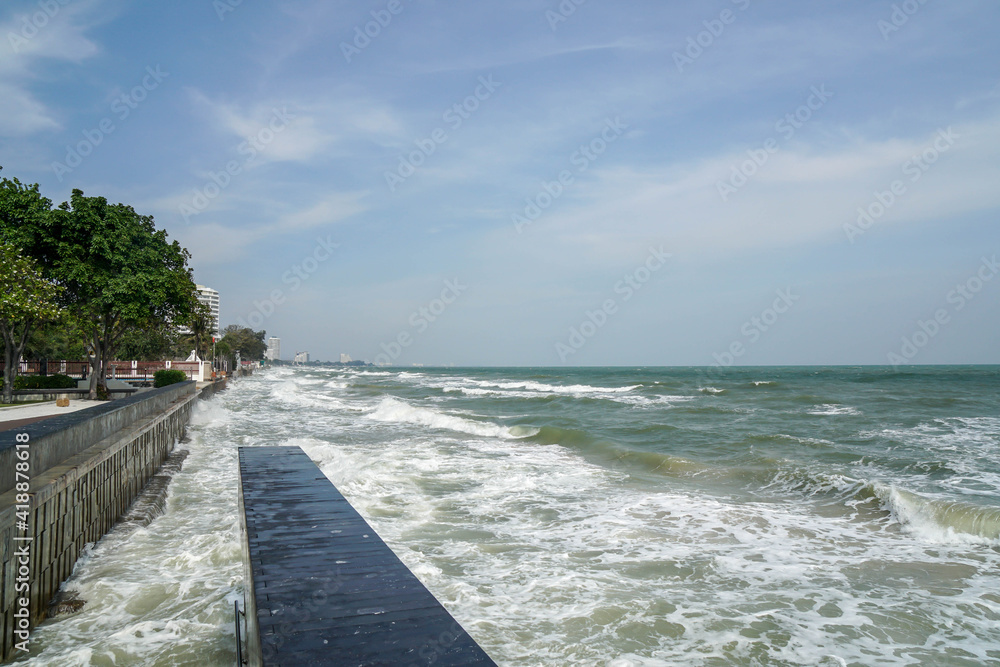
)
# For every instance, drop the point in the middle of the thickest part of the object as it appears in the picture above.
(239, 638)
(38, 392)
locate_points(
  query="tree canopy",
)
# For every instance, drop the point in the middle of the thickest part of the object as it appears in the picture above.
(26, 298)
(249, 343)
(119, 274)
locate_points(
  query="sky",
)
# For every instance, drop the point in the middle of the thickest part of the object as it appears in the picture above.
(542, 183)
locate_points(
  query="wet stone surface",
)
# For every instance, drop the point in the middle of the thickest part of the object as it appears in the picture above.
(328, 590)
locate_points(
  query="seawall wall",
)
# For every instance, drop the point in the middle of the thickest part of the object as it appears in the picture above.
(84, 470)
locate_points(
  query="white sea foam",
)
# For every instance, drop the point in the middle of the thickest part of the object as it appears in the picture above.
(832, 409)
(646, 401)
(392, 410)
(523, 389)
(563, 550)
(572, 390)
(968, 444)
(548, 558)
(292, 394)
(497, 393)
(163, 594)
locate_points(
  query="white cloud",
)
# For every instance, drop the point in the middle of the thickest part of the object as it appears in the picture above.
(59, 37)
(799, 196)
(332, 209)
(204, 236)
(29, 39)
(22, 114)
(313, 127)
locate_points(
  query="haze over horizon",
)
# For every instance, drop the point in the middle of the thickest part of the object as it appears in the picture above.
(542, 183)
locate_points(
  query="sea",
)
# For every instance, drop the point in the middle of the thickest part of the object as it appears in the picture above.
(619, 517)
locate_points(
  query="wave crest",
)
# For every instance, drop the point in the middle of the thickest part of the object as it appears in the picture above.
(941, 520)
(394, 411)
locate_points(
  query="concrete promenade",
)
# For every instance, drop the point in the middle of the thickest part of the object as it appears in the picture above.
(14, 416)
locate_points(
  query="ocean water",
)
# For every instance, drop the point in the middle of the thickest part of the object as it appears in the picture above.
(619, 517)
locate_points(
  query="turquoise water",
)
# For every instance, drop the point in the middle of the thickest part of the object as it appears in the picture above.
(621, 517)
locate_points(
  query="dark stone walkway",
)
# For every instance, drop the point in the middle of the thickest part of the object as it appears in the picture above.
(325, 589)
(11, 424)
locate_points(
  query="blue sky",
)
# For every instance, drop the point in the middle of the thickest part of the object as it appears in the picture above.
(501, 183)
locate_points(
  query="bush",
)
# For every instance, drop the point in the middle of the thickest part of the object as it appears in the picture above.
(44, 382)
(168, 377)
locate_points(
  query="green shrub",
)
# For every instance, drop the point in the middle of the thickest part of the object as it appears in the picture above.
(168, 377)
(44, 382)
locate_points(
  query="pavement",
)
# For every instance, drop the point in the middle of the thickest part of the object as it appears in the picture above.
(15, 416)
(22, 415)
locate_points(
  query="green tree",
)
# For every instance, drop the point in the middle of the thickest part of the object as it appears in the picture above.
(222, 351)
(26, 298)
(57, 340)
(23, 216)
(201, 324)
(120, 273)
(153, 341)
(249, 343)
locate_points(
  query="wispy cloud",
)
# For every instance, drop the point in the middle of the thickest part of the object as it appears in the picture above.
(801, 196)
(30, 40)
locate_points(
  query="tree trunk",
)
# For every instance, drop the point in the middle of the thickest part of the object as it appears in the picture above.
(13, 347)
(9, 369)
(95, 366)
(106, 349)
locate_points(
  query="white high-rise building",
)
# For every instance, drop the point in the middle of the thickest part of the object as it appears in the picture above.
(345, 358)
(273, 349)
(210, 298)
(302, 357)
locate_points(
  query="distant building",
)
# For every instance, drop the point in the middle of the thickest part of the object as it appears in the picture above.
(273, 349)
(345, 358)
(302, 357)
(210, 298)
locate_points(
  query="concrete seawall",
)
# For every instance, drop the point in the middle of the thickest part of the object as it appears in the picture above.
(85, 470)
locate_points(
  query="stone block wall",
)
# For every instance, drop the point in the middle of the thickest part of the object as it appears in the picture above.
(78, 499)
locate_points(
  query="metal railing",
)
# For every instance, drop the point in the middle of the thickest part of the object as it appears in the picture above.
(118, 370)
